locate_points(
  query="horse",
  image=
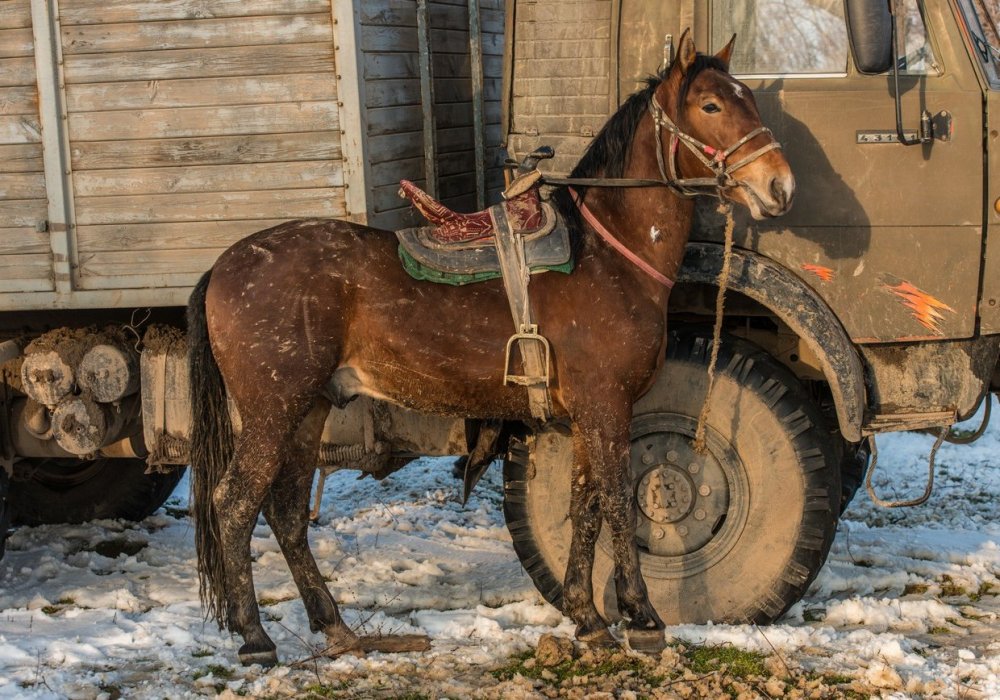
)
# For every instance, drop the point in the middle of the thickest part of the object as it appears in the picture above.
(308, 314)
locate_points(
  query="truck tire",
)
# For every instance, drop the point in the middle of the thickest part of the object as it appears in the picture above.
(75, 491)
(735, 535)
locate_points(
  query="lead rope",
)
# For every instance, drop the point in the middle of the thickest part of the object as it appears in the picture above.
(720, 300)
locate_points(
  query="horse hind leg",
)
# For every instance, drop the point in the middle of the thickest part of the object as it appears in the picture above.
(237, 501)
(287, 511)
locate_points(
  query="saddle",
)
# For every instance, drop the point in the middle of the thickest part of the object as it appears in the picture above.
(511, 240)
(461, 248)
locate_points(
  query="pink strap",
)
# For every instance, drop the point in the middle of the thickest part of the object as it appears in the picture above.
(618, 245)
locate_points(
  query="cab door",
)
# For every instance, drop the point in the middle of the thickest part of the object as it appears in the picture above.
(890, 235)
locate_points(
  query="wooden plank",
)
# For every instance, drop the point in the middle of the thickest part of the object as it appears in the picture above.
(16, 42)
(389, 147)
(210, 234)
(16, 213)
(404, 65)
(19, 100)
(196, 33)
(390, 120)
(213, 178)
(22, 185)
(21, 128)
(406, 91)
(150, 262)
(23, 240)
(217, 150)
(382, 39)
(101, 11)
(203, 121)
(31, 272)
(212, 206)
(15, 14)
(17, 71)
(195, 63)
(198, 92)
(137, 286)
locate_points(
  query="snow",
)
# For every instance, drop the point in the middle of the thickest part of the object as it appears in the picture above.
(906, 601)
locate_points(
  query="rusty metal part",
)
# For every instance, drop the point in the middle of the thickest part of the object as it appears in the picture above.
(82, 426)
(47, 377)
(919, 500)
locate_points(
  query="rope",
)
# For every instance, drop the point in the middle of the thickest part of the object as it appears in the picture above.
(720, 300)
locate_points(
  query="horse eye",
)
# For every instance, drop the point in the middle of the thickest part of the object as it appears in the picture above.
(711, 108)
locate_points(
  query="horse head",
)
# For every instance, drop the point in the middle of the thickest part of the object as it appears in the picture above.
(717, 140)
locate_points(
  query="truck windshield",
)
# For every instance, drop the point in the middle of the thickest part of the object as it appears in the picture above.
(983, 19)
(809, 37)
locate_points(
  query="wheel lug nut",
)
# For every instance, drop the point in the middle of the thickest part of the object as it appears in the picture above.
(699, 514)
(672, 456)
(659, 533)
(647, 459)
(704, 489)
(682, 530)
(694, 467)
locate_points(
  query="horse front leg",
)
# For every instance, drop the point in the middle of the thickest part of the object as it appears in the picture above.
(606, 437)
(585, 517)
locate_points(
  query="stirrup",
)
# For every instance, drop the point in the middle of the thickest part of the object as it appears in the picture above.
(529, 334)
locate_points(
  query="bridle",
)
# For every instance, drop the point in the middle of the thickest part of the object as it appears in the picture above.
(714, 159)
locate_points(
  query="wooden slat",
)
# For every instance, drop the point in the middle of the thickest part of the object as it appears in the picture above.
(136, 284)
(21, 128)
(197, 92)
(195, 63)
(22, 241)
(406, 91)
(17, 71)
(196, 34)
(100, 11)
(24, 269)
(15, 14)
(22, 185)
(150, 262)
(21, 158)
(458, 162)
(203, 121)
(381, 39)
(210, 234)
(15, 213)
(16, 42)
(213, 178)
(404, 65)
(19, 100)
(214, 206)
(391, 120)
(390, 147)
(218, 150)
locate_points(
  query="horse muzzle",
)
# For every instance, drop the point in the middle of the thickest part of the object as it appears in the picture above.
(771, 200)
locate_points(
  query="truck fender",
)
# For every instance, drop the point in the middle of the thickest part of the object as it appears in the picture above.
(798, 306)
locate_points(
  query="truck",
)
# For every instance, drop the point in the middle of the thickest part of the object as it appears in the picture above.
(156, 133)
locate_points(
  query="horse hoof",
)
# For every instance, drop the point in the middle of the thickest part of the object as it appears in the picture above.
(600, 639)
(266, 657)
(646, 641)
(341, 640)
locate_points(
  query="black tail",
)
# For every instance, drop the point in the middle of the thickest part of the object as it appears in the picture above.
(211, 451)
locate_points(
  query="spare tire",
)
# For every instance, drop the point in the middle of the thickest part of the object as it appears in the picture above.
(75, 491)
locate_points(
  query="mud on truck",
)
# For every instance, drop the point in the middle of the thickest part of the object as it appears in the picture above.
(139, 139)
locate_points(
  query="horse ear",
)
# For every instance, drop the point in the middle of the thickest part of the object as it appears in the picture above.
(727, 53)
(686, 52)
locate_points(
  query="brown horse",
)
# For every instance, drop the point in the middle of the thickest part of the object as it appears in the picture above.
(312, 312)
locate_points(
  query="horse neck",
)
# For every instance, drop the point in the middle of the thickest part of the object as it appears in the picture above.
(654, 223)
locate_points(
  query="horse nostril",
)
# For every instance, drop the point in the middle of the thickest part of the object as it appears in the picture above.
(778, 191)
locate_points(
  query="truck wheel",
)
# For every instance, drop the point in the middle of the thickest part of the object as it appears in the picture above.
(75, 491)
(734, 535)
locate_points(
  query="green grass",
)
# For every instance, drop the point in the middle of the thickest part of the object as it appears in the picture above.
(201, 653)
(217, 671)
(319, 691)
(739, 663)
(939, 629)
(610, 665)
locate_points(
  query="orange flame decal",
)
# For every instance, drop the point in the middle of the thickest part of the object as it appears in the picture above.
(925, 307)
(824, 273)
